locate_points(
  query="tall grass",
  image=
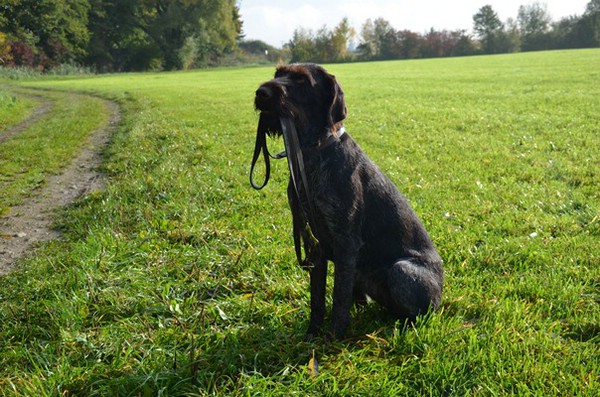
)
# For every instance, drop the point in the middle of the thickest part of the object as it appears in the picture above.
(28, 73)
(19, 73)
(179, 279)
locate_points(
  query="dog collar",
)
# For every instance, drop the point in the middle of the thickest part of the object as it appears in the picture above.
(338, 136)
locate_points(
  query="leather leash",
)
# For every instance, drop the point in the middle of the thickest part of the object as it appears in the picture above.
(261, 146)
(293, 152)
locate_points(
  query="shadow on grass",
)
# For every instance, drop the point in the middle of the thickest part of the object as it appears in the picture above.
(586, 332)
(224, 363)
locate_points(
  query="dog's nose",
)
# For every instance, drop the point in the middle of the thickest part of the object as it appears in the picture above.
(264, 93)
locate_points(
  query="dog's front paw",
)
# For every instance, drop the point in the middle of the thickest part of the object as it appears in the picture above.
(338, 330)
(312, 332)
(310, 336)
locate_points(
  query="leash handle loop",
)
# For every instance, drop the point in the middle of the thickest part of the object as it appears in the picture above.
(260, 146)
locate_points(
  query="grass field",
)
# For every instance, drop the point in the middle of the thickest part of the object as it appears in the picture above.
(13, 108)
(179, 279)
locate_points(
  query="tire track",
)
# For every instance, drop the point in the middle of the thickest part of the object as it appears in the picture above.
(29, 223)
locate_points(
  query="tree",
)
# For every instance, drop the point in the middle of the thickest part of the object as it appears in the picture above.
(534, 23)
(322, 46)
(54, 31)
(444, 43)
(512, 39)
(489, 29)
(206, 27)
(115, 38)
(301, 46)
(593, 7)
(589, 25)
(341, 35)
(434, 44)
(5, 50)
(578, 31)
(461, 43)
(564, 33)
(410, 44)
(379, 40)
(369, 45)
(162, 34)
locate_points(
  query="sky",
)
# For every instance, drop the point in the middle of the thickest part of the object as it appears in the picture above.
(274, 21)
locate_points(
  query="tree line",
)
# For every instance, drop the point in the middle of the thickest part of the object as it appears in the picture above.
(136, 35)
(532, 30)
(117, 35)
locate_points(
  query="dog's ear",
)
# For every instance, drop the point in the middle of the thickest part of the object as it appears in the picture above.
(337, 109)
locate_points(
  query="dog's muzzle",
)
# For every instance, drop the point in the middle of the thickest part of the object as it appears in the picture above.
(270, 96)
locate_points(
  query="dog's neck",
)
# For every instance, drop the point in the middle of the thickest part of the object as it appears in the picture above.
(331, 136)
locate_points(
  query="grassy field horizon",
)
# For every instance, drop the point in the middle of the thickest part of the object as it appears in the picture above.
(180, 279)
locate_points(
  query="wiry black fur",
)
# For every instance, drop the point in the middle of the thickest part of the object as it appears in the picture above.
(362, 222)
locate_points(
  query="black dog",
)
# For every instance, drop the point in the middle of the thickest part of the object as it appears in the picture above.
(344, 208)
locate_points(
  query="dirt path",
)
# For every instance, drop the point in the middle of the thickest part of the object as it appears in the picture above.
(29, 223)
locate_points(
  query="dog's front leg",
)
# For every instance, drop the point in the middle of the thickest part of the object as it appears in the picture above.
(343, 287)
(318, 282)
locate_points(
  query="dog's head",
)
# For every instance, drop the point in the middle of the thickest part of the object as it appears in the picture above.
(305, 93)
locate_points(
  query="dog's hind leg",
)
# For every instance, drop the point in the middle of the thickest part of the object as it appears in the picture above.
(412, 288)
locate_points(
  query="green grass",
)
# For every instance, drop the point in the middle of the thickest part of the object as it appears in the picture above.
(179, 279)
(13, 108)
(47, 146)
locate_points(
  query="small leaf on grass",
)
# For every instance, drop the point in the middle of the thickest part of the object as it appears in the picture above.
(222, 314)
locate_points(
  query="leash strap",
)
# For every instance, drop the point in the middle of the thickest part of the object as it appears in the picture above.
(293, 152)
(261, 146)
(296, 165)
